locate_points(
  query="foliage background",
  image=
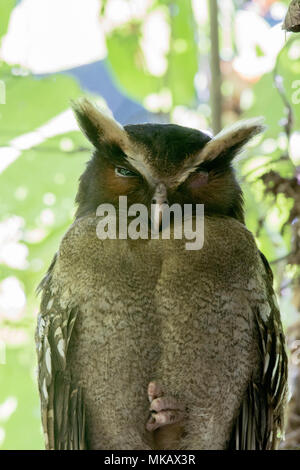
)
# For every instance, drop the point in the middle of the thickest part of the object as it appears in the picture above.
(156, 54)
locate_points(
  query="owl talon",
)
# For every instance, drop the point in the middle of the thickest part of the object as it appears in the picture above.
(154, 391)
(164, 410)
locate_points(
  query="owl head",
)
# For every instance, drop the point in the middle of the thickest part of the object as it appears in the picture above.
(160, 163)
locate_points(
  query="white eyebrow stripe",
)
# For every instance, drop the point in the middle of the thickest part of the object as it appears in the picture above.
(143, 169)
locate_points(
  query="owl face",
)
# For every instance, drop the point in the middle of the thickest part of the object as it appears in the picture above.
(157, 164)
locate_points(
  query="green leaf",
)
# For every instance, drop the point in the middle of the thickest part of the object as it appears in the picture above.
(183, 55)
(17, 382)
(31, 102)
(129, 65)
(267, 103)
(127, 61)
(259, 51)
(6, 7)
(44, 169)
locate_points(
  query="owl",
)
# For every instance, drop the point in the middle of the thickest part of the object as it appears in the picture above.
(142, 343)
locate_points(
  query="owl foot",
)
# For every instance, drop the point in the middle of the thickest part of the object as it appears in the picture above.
(165, 410)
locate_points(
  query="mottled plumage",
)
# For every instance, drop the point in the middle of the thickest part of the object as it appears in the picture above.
(292, 18)
(117, 315)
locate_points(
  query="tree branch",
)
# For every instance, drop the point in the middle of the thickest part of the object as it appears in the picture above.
(216, 79)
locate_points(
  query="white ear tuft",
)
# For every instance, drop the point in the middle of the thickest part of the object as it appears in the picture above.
(232, 138)
(222, 148)
(98, 125)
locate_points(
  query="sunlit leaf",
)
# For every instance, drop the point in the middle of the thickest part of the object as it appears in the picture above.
(6, 7)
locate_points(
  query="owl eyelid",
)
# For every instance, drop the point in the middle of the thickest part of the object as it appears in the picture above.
(202, 168)
(119, 169)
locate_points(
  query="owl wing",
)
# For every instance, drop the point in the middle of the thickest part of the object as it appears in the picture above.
(260, 422)
(62, 406)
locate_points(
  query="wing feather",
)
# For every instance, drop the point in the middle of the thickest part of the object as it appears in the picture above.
(62, 404)
(260, 424)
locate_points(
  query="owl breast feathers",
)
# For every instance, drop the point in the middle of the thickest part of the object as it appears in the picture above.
(143, 344)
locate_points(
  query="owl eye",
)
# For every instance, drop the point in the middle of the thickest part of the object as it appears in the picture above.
(124, 172)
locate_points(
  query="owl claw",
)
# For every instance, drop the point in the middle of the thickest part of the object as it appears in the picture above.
(164, 410)
(154, 391)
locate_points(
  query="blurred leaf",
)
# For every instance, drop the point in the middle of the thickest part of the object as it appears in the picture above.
(127, 60)
(17, 380)
(183, 64)
(31, 101)
(58, 174)
(289, 69)
(6, 7)
(267, 103)
(259, 51)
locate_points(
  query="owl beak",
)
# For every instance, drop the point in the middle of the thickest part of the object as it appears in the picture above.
(159, 202)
